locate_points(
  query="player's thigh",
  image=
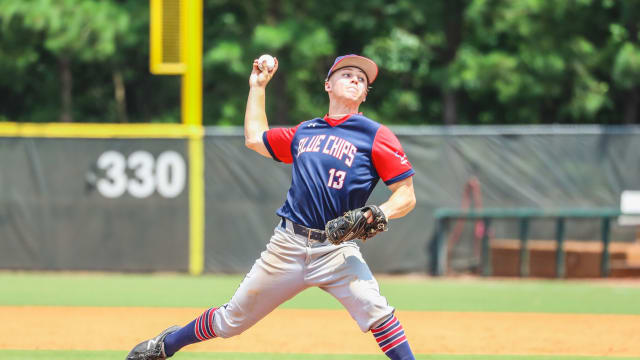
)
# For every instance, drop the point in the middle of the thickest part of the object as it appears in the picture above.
(357, 289)
(273, 279)
(263, 290)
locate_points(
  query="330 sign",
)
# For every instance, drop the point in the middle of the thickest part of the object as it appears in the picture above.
(140, 174)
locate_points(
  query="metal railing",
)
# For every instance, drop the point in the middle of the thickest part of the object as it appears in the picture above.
(444, 215)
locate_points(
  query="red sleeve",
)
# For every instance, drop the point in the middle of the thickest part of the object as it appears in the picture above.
(389, 159)
(278, 142)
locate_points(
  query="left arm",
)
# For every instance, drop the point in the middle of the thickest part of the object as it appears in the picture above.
(401, 201)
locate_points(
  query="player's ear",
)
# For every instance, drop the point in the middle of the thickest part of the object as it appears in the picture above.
(327, 86)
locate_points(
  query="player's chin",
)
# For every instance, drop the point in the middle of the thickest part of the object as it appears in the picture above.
(354, 94)
(353, 98)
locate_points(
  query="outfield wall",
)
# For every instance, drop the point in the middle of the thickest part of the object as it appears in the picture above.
(126, 198)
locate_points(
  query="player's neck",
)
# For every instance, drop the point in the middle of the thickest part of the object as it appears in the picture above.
(338, 110)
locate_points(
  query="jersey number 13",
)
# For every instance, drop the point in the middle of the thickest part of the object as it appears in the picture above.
(336, 178)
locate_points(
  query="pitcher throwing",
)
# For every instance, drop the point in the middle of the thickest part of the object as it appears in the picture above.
(337, 161)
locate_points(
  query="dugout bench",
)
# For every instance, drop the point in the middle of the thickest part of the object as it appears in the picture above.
(444, 217)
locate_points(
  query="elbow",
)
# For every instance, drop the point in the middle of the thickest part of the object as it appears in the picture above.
(252, 142)
(409, 200)
(253, 137)
(411, 203)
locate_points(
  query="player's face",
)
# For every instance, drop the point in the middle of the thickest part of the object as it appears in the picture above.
(349, 84)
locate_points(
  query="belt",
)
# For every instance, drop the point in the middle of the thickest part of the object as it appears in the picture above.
(313, 234)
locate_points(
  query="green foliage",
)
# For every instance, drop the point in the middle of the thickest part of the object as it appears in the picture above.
(225, 52)
(58, 32)
(398, 52)
(87, 29)
(493, 61)
(626, 68)
(275, 37)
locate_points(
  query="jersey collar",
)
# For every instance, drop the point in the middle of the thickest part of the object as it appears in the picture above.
(335, 122)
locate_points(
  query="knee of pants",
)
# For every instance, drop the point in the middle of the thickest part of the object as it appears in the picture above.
(230, 321)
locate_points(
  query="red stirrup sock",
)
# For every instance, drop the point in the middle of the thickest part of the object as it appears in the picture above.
(391, 339)
(198, 330)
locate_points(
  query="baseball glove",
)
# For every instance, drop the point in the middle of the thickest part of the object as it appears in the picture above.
(353, 225)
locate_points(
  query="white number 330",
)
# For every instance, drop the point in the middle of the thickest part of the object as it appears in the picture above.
(145, 174)
(336, 178)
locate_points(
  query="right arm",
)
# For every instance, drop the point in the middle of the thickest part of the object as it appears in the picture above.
(255, 117)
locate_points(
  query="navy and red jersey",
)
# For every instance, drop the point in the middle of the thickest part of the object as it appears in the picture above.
(336, 165)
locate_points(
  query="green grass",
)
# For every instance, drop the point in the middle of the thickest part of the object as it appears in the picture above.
(109, 355)
(68, 289)
(548, 296)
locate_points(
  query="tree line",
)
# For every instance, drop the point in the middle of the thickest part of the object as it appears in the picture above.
(441, 61)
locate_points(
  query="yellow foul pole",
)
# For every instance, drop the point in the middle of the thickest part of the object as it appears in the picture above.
(191, 24)
(176, 49)
(192, 55)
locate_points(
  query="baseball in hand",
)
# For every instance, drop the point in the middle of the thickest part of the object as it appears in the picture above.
(270, 62)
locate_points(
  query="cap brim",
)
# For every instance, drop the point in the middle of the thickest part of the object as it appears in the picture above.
(365, 64)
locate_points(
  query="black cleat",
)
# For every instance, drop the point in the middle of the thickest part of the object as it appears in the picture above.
(152, 349)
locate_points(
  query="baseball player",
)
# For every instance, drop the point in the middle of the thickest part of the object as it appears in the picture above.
(337, 160)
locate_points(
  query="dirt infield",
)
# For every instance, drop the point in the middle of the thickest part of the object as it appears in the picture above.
(307, 331)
